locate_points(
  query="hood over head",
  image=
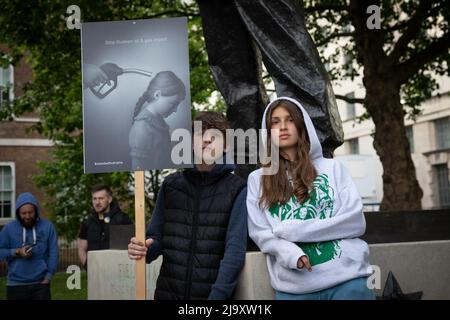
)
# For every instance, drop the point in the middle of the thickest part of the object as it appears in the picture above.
(27, 198)
(315, 151)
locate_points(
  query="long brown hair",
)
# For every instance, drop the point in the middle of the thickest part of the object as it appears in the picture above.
(276, 188)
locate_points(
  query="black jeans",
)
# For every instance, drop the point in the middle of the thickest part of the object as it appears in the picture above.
(28, 292)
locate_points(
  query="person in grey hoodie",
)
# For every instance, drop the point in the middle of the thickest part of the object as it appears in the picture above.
(29, 244)
(307, 217)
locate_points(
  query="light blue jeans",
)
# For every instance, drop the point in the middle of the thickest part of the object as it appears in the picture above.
(355, 289)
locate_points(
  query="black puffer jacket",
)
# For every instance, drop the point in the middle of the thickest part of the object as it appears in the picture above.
(96, 231)
(197, 207)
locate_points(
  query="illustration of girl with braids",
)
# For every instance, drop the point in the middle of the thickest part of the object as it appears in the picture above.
(149, 136)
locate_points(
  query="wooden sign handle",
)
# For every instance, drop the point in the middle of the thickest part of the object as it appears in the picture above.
(139, 199)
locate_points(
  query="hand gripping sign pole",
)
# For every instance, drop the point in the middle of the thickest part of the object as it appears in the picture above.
(150, 44)
(139, 199)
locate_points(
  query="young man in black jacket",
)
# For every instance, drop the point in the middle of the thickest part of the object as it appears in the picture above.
(94, 231)
(199, 224)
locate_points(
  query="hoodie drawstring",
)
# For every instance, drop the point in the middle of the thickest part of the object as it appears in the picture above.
(24, 236)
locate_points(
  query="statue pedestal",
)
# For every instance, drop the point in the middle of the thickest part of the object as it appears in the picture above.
(417, 266)
(111, 276)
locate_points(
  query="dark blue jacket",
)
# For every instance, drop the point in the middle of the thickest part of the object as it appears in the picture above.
(235, 238)
(42, 265)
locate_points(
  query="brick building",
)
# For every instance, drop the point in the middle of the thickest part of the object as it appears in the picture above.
(20, 146)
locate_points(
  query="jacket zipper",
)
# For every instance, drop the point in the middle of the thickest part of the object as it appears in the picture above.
(192, 247)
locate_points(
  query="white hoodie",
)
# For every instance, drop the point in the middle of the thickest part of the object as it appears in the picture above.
(325, 227)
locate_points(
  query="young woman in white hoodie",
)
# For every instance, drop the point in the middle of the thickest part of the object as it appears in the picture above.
(307, 217)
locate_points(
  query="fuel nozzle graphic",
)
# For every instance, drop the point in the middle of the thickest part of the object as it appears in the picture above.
(105, 86)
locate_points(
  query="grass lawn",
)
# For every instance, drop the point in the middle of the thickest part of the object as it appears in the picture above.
(59, 288)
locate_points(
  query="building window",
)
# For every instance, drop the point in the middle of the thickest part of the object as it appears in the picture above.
(7, 185)
(443, 185)
(6, 85)
(348, 65)
(351, 113)
(442, 128)
(353, 145)
(410, 136)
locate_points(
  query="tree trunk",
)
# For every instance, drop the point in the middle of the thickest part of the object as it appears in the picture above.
(400, 186)
(401, 190)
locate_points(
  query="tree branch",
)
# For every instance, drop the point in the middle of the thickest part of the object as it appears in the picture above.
(349, 100)
(335, 7)
(197, 54)
(406, 69)
(335, 35)
(397, 26)
(177, 12)
(413, 27)
(369, 43)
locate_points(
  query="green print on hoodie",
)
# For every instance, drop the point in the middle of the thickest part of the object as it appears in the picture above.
(319, 204)
(326, 226)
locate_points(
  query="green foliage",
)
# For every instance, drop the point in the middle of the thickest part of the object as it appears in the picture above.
(324, 20)
(59, 288)
(398, 64)
(69, 188)
(418, 88)
(330, 25)
(37, 31)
